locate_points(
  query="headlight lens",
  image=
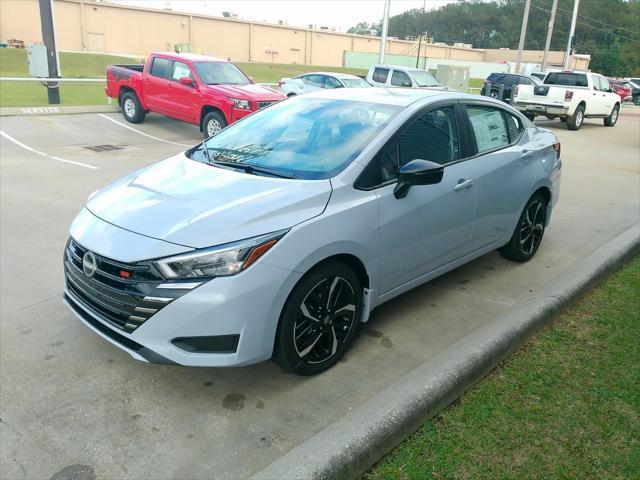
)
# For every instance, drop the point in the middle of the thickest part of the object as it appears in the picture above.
(242, 104)
(221, 261)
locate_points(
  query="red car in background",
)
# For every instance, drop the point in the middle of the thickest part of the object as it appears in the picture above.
(205, 91)
(620, 89)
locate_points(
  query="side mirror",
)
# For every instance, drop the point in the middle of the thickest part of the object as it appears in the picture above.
(405, 83)
(188, 81)
(610, 90)
(417, 172)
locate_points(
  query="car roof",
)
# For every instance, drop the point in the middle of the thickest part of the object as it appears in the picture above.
(390, 96)
(400, 67)
(331, 74)
(190, 57)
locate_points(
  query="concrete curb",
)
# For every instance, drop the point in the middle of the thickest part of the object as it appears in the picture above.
(54, 110)
(352, 444)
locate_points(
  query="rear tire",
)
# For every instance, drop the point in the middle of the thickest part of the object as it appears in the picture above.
(612, 119)
(132, 110)
(319, 319)
(527, 236)
(212, 123)
(575, 121)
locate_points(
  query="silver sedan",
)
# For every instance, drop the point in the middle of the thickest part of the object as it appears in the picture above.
(310, 82)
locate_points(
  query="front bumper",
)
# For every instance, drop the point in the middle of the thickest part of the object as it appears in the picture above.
(246, 306)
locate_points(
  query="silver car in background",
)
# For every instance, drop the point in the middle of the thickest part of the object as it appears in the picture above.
(278, 236)
(314, 81)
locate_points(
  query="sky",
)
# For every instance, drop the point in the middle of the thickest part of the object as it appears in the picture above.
(341, 14)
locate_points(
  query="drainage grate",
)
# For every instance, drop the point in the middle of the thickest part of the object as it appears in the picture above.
(104, 148)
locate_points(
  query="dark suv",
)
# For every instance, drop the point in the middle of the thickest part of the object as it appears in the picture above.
(491, 87)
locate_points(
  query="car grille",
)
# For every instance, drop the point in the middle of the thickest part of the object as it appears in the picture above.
(266, 103)
(125, 303)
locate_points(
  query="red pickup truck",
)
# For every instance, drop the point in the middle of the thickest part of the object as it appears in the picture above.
(206, 91)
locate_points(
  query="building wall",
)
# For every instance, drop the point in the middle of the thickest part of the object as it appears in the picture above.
(84, 25)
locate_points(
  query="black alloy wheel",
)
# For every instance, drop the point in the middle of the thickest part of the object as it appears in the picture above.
(527, 236)
(319, 320)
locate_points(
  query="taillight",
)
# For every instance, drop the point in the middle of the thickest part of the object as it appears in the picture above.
(556, 147)
(568, 95)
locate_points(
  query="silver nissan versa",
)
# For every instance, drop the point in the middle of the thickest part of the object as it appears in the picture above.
(276, 237)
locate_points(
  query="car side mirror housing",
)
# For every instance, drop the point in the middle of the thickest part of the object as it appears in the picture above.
(188, 81)
(417, 172)
(406, 84)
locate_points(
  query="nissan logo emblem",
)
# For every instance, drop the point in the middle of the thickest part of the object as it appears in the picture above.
(89, 264)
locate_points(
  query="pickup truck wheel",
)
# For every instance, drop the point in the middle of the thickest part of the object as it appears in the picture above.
(132, 111)
(213, 122)
(575, 121)
(611, 120)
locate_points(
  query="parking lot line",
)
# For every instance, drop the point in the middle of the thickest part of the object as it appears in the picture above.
(27, 147)
(141, 132)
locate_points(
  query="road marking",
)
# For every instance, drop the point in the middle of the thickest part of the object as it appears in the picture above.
(141, 132)
(27, 147)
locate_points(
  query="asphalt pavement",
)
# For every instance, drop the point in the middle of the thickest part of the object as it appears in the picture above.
(72, 405)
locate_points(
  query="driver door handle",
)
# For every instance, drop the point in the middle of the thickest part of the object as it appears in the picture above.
(462, 184)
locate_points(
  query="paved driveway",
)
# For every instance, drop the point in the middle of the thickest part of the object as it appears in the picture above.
(75, 405)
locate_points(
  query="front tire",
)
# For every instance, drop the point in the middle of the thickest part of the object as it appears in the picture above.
(132, 110)
(212, 123)
(575, 121)
(528, 234)
(612, 119)
(319, 320)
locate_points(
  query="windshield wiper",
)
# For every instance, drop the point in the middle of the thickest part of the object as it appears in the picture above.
(252, 168)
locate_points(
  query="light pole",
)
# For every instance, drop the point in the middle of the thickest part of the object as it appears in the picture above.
(523, 33)
(572, 30)
(383, 37)
(547, 44)
(49, 39)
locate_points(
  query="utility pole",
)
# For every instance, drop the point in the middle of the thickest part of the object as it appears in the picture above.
(385, 25)
(523, 33)
(547, 44)
(572, 31)
(418, 54)
(49, 39)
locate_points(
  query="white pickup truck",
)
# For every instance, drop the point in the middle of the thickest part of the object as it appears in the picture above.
(571, 96)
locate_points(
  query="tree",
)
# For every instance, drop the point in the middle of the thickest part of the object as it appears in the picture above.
(609, 30)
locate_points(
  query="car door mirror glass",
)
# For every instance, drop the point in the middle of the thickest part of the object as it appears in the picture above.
(188, 81)
(406, 83)
(417, 172)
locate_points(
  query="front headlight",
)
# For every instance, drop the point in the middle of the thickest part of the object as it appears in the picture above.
(221, 261)
(242, 104)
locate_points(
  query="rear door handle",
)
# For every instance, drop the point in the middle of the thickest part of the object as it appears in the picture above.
(462, 184)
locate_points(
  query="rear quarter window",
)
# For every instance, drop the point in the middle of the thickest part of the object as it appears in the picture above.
(160, 67)
(380, 75)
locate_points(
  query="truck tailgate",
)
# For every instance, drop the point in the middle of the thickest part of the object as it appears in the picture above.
(548, 95)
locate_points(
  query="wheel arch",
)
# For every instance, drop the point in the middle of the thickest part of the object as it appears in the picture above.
(127, 89)
(210, 108)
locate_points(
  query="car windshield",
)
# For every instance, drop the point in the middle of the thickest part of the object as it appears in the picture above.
(220, 73)
(305, 138)
(425, 79)
(354, 83)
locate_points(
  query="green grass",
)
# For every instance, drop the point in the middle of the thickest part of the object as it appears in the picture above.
(567, 405)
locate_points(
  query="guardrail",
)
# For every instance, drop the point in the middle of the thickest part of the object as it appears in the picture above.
(78, 80)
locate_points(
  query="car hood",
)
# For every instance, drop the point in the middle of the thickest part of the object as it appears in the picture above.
(193, 204)
(250, 91)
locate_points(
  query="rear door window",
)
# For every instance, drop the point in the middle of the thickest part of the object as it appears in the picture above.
(489, 127)
(331, 82)
(160, 67)
(314, 80)
(400, 79)
(380, 75)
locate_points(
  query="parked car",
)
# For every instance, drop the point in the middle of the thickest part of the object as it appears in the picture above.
(310, 82)
(634, 84)
(205, 91)
(507, 81)
(570, 96)
(278, 236)
(622, 89)
(395, 76)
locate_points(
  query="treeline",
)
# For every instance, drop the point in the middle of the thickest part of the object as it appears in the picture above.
(609, 30)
